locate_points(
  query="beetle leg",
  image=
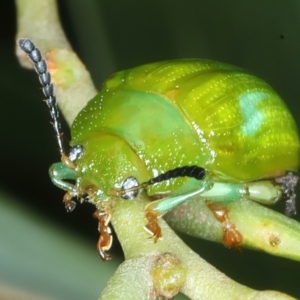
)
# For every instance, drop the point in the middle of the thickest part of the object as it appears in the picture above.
(158, 208)
(58, 173)
(231, 237)
(105, 238)
(152, 225)
(68, 202)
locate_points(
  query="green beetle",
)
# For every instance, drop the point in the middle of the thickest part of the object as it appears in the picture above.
(175, 129)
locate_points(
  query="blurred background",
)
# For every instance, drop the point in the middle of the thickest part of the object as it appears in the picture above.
(37, 236)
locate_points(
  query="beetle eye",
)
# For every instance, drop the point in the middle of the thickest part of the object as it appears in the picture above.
(128, 184)
(76, 152)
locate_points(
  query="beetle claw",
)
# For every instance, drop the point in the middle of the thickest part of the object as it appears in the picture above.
(231, 237)
(68, 202)
(70, 206)
(105, 239)
(152, 226)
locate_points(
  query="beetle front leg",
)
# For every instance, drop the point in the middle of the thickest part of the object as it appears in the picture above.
(156, 209)
(58, 173)
(105, 238)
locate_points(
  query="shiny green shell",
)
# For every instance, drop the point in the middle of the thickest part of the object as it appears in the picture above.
(159, 116)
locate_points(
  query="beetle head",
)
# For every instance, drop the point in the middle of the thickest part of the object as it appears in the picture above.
(106, 162)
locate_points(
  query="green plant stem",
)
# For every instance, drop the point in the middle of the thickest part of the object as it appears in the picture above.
(203, 281)
(261, 227)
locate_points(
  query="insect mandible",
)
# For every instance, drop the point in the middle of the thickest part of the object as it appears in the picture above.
(175, 129)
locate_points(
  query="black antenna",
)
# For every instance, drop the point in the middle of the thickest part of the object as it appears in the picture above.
(40, 66)
(186, 171)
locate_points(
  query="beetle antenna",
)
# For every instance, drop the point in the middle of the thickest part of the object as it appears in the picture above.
(186, 171)
(40, 66)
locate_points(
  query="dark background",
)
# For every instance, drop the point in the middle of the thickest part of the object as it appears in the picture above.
(259, 36)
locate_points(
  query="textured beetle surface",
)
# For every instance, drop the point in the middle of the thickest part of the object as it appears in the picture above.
(154, 118)
(157, 117)
(176, 129)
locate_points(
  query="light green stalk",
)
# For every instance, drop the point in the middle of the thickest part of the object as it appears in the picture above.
(39, 21)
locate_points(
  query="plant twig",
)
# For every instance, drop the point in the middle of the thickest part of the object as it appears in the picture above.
(261, 227)
(39, 21)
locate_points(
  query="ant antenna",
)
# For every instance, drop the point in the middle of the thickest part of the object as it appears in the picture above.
(40, 66)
